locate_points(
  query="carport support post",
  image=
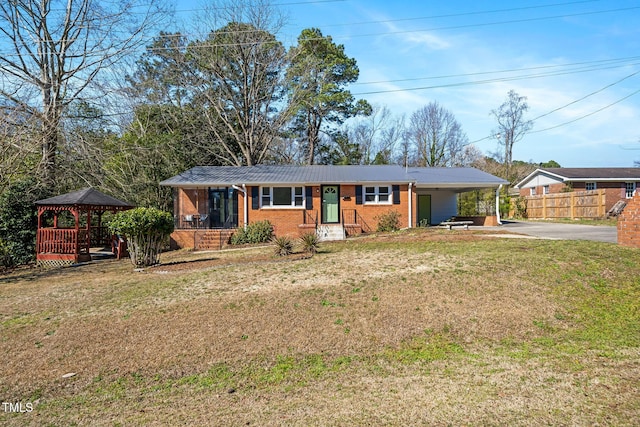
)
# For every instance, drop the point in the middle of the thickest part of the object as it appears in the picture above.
(498, 205)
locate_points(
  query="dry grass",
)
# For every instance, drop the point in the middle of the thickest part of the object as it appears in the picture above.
(422, 328)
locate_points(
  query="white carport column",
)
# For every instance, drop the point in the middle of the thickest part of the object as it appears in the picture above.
(498, 204)
(245, 215)
(410, 205)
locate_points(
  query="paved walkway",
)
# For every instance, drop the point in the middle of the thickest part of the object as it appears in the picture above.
(561, 231)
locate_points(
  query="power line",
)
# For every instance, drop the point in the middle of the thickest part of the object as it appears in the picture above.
(486, 24)
(482, 24)
(495, 80)
(454, 15)
(587, 115)
(574, 102)
(540, 67)
(587, 96)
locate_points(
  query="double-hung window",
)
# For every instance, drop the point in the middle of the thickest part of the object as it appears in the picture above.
(532, 191)
(379, 194)
(282, 196)
(629, 189)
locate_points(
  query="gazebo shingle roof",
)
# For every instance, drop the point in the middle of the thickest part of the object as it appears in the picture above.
(84, 197)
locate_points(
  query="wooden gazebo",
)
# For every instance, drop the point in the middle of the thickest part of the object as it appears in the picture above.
(67, 240)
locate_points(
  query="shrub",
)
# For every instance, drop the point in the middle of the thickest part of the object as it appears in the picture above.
(310, 242)
(256, 232)
(284, 246)
(520, 206)
(5, 255)
(146, 230)
(389, 221)
(19, 220)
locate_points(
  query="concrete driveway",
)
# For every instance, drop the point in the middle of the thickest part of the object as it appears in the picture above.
(552, 230)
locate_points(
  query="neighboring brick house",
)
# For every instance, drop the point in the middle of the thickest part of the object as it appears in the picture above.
(334, 201)
(617, 183)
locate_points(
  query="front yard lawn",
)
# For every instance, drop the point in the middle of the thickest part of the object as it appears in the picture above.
(424, 327)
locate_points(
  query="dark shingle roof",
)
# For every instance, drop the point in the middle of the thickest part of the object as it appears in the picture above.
(583, 175)
(86, 197)
(202, 176)
(595, 173)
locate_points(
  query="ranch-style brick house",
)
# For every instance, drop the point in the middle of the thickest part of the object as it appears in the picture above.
(619, 183)
(333, 201)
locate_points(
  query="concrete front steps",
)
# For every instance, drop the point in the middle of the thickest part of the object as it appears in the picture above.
(330, 232)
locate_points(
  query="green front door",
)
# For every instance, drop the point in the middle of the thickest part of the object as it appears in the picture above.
(330, 204)
(424, 210)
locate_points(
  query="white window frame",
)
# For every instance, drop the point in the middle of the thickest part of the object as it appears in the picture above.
(630, 189)
(532, 191)
(590, 184)
(375, 194)
(545, 189)
(266, 193)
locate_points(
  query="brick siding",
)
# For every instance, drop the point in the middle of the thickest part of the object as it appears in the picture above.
(629, 223)
(614, 190)
(291, 221)
(288, 221)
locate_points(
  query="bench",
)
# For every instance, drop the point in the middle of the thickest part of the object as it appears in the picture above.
(451, 224)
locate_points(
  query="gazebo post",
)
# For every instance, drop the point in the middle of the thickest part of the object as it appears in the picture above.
(89, 230)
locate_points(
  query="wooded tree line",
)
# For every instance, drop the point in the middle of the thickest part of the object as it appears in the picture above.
(81, 106)
(93, 94)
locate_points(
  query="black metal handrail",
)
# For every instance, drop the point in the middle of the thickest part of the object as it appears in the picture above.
(307, 218)
(352, 217)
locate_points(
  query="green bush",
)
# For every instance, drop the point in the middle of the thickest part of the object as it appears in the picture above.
(256, 232)
(19, 221)
(389, 221)
(284, 246)
(146, 230)
(520, 207)
(5, 255)
(310, 242)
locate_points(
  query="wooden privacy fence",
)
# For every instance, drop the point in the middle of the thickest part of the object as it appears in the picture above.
(577, 204)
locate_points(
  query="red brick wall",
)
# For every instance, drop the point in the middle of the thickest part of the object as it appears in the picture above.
(287, 221)
(629, 224)
(615, 190)
(192, 201)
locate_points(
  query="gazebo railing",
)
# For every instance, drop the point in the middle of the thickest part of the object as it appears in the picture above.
(62, 241)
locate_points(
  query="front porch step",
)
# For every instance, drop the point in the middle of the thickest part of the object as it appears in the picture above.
(213, 240)
(330, 232)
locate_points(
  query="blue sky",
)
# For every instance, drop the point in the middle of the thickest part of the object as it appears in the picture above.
(575, 61)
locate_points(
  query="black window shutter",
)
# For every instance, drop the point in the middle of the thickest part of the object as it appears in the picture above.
(396, 194)
(358, 194)
(255, 198)
(309, 196)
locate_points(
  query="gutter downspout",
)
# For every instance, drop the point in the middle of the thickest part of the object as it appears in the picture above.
(245, 213)
(410, 205)
(498, 204)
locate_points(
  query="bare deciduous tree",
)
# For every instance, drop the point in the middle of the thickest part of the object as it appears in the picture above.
(377, 135)
(54, 50)
(436, 136)
(17, 145)
(238, 77)
(512, 125)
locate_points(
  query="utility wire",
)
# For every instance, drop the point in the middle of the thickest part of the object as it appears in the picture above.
(587, 115)
(454, 15)
(481, 24)
(587, 96)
